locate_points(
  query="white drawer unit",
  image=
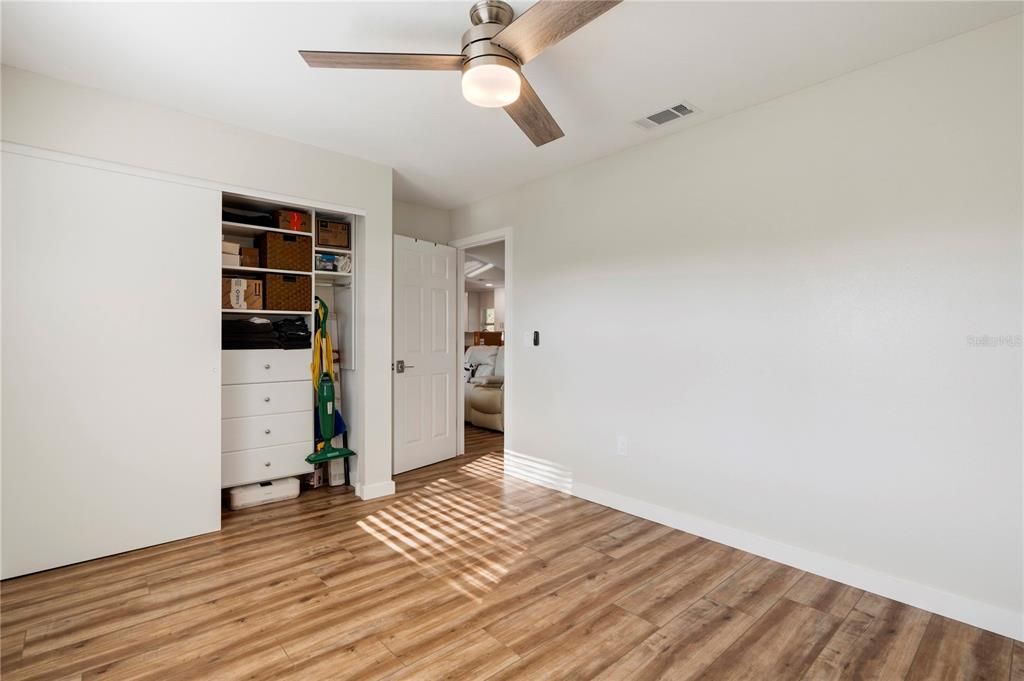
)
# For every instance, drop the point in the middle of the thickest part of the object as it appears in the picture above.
(265, 366)
(266, 415)
(266, 431)
(258, 399)
(268, 463)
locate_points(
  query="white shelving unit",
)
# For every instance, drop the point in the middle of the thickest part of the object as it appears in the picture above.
(263, 270)
(275, 459)
(332, 251)
(239, 229)
(263, 313)
(338, 290)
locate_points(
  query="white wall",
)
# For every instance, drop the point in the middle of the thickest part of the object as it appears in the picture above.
(778, 309)
(422, 222)
(50, 114)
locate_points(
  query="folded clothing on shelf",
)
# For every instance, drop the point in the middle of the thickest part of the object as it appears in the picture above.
(293, 333)
(254, 333)
(259, 333)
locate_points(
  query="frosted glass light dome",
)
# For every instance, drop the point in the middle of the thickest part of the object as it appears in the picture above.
(490, 85)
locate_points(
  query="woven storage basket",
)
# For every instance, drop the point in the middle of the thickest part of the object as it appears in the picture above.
(285, 252)
(287, 292)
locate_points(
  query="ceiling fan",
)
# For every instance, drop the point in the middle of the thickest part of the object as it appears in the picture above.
(493, 51)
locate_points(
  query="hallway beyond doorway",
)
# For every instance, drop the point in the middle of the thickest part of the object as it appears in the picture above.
(483, 441)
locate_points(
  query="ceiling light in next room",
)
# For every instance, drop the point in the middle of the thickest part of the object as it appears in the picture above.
(491, 285)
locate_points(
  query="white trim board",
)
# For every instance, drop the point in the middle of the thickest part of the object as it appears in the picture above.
(375, 490)
(138, 171)
(976, 613)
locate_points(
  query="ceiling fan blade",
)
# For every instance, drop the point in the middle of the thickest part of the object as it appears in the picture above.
(382, 60)
(533, 117)
(547, 22)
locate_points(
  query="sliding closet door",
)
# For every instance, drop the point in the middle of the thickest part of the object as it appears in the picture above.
(111, 344)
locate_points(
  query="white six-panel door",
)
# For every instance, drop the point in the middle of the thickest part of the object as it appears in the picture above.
(426, 344)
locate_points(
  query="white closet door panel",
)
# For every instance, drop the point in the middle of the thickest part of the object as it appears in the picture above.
(111, 399)
(266, 366)
(254, 465)
(267, 430)
(257, 399)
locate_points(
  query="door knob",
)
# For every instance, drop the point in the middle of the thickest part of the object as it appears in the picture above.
(266, 399)
(267, 431)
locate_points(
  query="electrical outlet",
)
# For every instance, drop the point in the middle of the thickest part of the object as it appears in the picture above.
(622, 446)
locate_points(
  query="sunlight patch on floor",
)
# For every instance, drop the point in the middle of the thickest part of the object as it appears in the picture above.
(450, 531)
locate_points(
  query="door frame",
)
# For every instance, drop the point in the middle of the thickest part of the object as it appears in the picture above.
(504, 234)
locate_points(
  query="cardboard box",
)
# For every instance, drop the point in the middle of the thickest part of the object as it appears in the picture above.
(250, 257)
(293, 221)
(333, 234)
(241, 294)
(228, 260)
(229, 247)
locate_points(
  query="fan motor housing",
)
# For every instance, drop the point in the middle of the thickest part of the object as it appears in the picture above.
(488, 17)
(491, 12)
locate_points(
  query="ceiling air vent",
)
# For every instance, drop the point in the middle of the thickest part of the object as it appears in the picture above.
(667, 116)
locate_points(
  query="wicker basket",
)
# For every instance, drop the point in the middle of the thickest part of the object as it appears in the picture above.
(287, 292)
(285, 252)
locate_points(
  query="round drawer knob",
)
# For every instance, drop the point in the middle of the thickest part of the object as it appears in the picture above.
(266, 366)
(267, 431)
(266, 399)
(267, 464)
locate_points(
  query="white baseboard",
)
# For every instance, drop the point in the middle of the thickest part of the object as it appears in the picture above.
(976, 613)
(375, 490)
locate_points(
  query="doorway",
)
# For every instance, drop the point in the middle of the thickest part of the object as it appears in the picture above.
(484, 335)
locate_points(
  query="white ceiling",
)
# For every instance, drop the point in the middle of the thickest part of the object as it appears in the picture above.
(238, 63)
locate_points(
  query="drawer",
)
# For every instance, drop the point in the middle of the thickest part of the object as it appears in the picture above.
(264, 366)
(268, 463)
(266, 431)
(257, 399)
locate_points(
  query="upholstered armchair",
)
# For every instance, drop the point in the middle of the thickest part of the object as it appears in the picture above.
(485, 386)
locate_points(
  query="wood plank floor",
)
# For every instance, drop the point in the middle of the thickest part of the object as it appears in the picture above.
(483, 441)
(468, 574)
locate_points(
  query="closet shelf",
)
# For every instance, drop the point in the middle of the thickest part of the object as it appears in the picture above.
(261, 313)
(338, 251)
(241, 229)
(324, 273)
(263, 270)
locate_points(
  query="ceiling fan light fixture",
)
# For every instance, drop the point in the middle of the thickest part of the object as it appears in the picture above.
(491, 83)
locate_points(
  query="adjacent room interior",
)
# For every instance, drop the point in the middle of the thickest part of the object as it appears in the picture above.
(554, 339)
(484, 341)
